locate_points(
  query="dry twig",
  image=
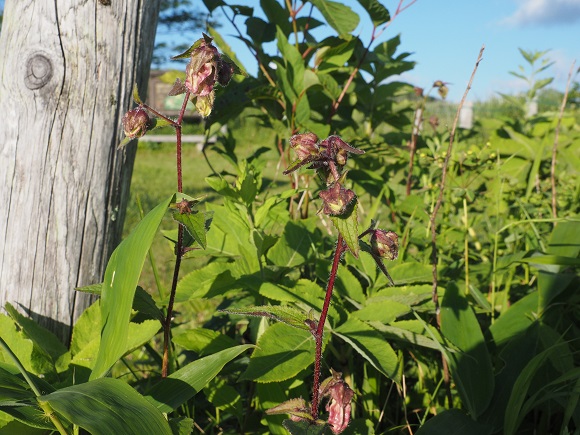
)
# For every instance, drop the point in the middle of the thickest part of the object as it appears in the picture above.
(433, 217)
(556, 137)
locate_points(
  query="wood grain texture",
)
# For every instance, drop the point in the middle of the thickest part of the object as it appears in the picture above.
(66, 78)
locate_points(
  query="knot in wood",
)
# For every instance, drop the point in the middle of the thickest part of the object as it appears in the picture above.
(38, 71)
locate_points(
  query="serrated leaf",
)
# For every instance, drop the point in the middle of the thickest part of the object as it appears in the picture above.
(203, 341)
(304, 427)
(282, 353)
(371, 345)
(378, 13)
(194, 223)
(195, 45)
(347, 226)
(145, 305)
(211, 280)
(93, 289)
(339, 16)
(280, 313)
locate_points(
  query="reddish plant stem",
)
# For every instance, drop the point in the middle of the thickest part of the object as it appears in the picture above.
(179, 245)
(340, 247)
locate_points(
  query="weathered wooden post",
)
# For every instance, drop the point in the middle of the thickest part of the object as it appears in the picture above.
(66, 79)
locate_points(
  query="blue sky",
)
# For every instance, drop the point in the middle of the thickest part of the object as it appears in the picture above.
(445, 37)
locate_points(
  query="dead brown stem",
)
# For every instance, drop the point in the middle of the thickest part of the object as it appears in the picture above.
(556, 137)
(433, 217)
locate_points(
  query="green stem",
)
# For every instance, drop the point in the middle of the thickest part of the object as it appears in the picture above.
(43, 404)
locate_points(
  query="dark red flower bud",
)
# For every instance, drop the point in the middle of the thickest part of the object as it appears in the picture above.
(336, 199)
(305, 145)
(136, 122)
(418, 91)
(385, 244)
(225, 72)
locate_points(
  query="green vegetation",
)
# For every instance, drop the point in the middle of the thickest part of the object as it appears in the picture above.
(478, 334)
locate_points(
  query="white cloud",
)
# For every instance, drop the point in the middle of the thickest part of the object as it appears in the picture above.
(545, 12)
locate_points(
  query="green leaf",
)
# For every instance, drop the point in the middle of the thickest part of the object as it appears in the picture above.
(119, 285)
(292, 61)
(348, 285)
(551, 259)
(378, 13)
(93, 289)
(411, 272)
(45, 344)
(347, 226)
(339, 16)
(564, 240)
(384, 311)
(371, 345)
(182, 385)
(513, 411)
(408, 332)
(471, 368)
(280, 313)
(332, 58)
(215, 279)
(282, 353)
(453, 422)
(224, 397)
(519, 317)
(146, 306)
(304, 293)
(181, 425)
(195, 223)
(136, 97)
(107, 406)
(203, 341)
(304, 427)
(294, 248)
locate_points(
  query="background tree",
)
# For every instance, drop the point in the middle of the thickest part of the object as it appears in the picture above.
(68, 70)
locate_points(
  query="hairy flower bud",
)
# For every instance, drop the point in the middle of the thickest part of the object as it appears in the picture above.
(385, 244)
(200, 73)
(339, 405)
(305, 145)
(225, 72)
(336, 199)
(136, 122)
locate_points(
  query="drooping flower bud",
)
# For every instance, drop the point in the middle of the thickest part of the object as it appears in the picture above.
(200, 73)
(385, 244)
(336, 199)
(225, 72)
(339, 405)
(136, 122)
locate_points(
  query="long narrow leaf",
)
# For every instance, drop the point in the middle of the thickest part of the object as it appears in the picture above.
(119, 285)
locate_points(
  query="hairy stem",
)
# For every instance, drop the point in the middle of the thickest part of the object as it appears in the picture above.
(178, 247)
(340, 247)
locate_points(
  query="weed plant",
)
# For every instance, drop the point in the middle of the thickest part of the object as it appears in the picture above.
(276, 312)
